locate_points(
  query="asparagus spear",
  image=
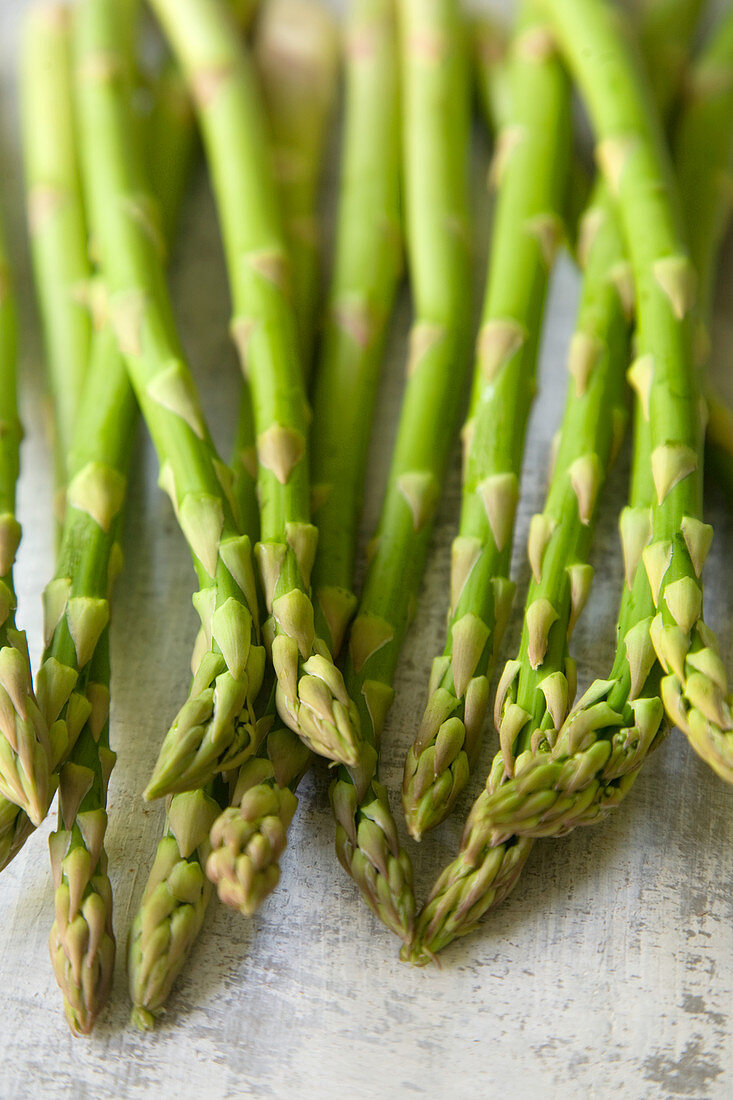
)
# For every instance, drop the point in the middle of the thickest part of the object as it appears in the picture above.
(632, 157)
(74, 674)
(311, 695)
(296, 54)
(170, 143)
(174, 903)
(215, 728)
(367, 268)
(705, 142)
(537, 687)
(492, 71)
(249, 836)
(25, 745)
(77, 658)
(24, 737)
(82, 942)
(242, 847)
(61, 269)
(553, 786)
(435, 122)
(703, 154)
(534, 149)
(15, 826)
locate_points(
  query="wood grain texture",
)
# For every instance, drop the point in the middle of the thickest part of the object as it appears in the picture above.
(608, 970)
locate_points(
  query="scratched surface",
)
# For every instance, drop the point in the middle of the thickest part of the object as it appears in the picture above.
(607, 970)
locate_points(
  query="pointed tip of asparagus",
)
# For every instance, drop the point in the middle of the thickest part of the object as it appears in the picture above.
(83, 965)
(142, 1019)
(417, 954)
(431, 808)
(320, 710)
(154, 790)
(213, 732)
(247, 842)
(81, 1024)
(37, 806)
(435, 774)
(25, 760)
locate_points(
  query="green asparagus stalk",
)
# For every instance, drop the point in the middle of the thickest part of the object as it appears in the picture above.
(24, 737)
(666, 28)
(216, 727)
(171, 145)
(177, 892)
(58, 237)
(533, 153)
(62, 273)
(703, 155)
(706, 116)
(435, 125)
(174, 903)
(532, 702)
(15, 826)
(551, 791)
(589, 768)
(537, 687)
(75, 676)
(366, 272)
(632, 157)
(246, 840)
(296, 54)
(492, 71)
(81, 941)
(554, 786)
(249, 837)
(311, 695)
(25, 747)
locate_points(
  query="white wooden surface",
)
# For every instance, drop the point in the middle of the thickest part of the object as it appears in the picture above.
(608, 970)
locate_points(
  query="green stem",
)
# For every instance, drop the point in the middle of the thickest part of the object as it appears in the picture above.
(367, 268)
(171, 144)
(215, 728)
(174, 903)
(298, 73)
(56, 220)
(631, 153)
(435, 139)
(82, 942)
(571, 777)
(296, 54)
(312, 698)
(531, 163)
(246, 840)
(25, 751)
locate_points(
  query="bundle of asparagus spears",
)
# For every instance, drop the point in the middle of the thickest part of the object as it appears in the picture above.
(291, 663)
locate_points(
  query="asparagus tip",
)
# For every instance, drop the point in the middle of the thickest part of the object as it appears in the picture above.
(142, 1019)
(418, 954)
